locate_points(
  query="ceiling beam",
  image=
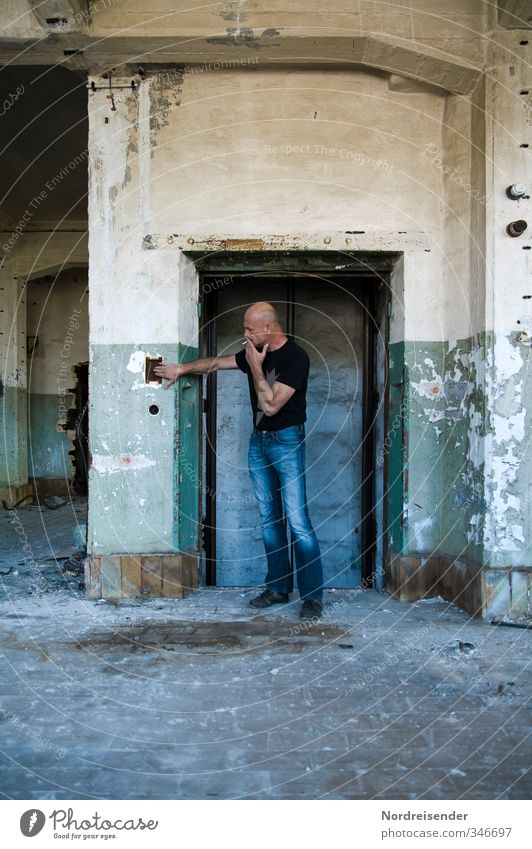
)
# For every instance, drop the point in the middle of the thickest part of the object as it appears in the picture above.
(79, 51)
(62, 15)
(515, 14)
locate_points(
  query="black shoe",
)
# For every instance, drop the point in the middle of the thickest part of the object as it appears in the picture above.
(311, 609)
(269, 597)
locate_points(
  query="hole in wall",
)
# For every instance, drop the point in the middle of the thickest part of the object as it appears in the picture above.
(149, 365)
(153, 410)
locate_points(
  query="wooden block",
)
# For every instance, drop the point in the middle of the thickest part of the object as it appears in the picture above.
(431, 576)
(93, 577)
(411, 577)
(520, 592)
(130, 580)
(173, 580)
(151, 577)
(110, 571)
(190, 572)
(461, 583)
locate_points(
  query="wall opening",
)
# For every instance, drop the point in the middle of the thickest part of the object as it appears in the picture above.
(57, 352)
(341, 316)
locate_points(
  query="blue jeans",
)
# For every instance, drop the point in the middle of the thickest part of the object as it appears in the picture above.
(277, 468)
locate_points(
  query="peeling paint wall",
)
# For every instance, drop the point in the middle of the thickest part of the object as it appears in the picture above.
(473, 437)
(508, 379)
(249, 153)
(141, 303)
(257, 154)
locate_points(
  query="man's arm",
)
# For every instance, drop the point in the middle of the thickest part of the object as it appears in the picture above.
(270, 398)
(172, 372)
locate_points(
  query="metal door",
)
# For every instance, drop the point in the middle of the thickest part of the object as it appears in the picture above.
(327, 320)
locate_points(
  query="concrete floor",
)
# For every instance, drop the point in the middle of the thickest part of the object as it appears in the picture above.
(202, 698)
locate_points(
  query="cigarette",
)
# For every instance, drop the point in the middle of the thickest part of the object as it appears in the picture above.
(245, 342)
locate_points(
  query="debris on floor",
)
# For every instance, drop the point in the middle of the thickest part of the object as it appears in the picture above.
(202, 697)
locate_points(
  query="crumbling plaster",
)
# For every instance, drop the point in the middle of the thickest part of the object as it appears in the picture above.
(508, 389)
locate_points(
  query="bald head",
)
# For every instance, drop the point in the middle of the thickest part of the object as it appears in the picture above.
(261, 326)
(263, 312)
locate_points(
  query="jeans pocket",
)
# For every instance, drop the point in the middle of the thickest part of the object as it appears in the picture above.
(290, 435)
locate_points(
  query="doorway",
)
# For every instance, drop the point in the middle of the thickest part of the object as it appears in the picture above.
(340, 320)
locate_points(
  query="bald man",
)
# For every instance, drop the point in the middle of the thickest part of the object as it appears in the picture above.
(277, 369)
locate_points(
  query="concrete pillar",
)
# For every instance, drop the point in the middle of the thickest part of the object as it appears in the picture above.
(13, 387)
(505, 527)
(143, 493)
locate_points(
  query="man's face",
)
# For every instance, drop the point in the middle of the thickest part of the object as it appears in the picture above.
(256, 331)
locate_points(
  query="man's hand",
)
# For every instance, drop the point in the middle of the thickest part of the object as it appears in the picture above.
(169, 372)
(254, 357)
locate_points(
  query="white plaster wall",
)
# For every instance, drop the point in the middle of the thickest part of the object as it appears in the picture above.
(251, 153)
(455, 162)
(254, 152)
(134, 292)
(509, 125)
(291, 151)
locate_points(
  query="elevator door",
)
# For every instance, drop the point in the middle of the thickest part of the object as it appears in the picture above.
(328, 321)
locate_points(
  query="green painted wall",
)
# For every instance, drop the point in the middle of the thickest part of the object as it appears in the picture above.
(48, 443)
(393, 450)
(437, 453)
(133, 482)
(13, 424)
(187, 481)
(440, 495)
(435, 459)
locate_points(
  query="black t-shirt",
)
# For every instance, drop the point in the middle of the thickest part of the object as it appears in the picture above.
(289, 364)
